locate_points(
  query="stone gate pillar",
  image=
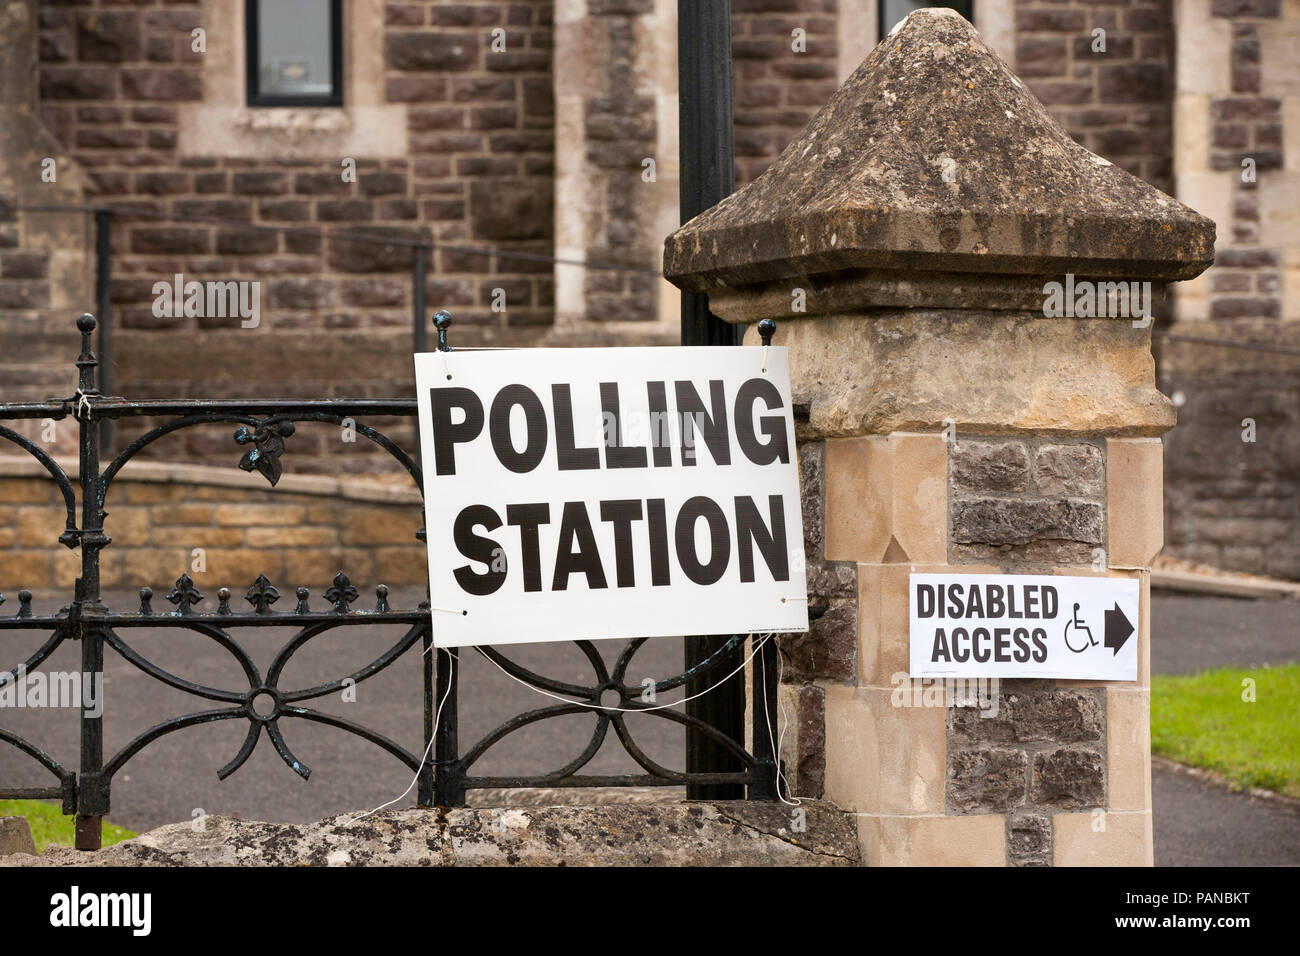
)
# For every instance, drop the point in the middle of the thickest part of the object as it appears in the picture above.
(957, 415)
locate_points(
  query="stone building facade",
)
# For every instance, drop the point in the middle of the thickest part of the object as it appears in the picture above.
(547, 128)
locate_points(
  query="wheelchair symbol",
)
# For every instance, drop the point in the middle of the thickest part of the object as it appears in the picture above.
(1078, 626)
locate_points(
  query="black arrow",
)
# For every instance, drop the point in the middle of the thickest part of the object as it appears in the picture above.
(1118, 628)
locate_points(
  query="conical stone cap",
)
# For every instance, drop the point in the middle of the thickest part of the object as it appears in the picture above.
(864, 185)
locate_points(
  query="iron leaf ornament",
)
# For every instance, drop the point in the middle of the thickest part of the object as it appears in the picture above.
(262, 595)
(341, 593)
(267, 440)
(184, 595)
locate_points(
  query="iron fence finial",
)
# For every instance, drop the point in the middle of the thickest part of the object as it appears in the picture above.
(86, 361)
(442, 322)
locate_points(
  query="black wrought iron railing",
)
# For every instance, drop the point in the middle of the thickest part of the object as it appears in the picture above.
(444, 771)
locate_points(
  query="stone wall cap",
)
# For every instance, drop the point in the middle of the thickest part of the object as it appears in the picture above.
(865, 184)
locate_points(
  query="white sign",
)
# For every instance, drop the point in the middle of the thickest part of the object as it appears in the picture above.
(1023, 625)
(598, 493)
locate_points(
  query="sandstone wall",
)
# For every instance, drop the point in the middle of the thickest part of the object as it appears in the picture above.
(300, 534)
(1051, 776)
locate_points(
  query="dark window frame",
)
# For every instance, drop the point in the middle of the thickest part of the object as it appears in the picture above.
(253, 62)
(965, 7)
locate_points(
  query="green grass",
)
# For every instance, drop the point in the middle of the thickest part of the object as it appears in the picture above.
(50, 826)
(1202, 720)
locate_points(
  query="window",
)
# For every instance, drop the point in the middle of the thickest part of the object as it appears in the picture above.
(892, 11)
(295, 52)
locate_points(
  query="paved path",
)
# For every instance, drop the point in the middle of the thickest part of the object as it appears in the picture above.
(1200, 824)
(1194, 633)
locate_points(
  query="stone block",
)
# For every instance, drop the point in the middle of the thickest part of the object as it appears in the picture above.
(197, 536)
(426, 52)
(1134, 501)
(974, 840)
(1128, 748)
(1029, 838)
(859, 491)
(128, 527)
(315, 569)
(828, 649)
(186, 514)
(883, 757)
(16, 836)
(920, 491)
(812, 498)
(380, 525)
(24, 569)
(401, 565)
(506, 209)
(1102, 839)
(239, 567)
(886, 498)
(148, 493)
(293, 536)
(989, 467)
(1060, 716)
(40, 527)
(1076, 469)
(258, 515)
(987, 780)
(810, 752)
(1068, 779)
(108, 37)
(998, 522)
(158, 568)
(26, 490)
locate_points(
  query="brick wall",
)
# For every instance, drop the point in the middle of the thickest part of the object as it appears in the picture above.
(479, 172)
(1117, 102)
(777, 90)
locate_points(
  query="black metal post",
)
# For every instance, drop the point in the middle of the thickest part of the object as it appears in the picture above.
(425, 795)
(707, 156)
(449, 789)
(104, 310)
(764, 721)
(449, 785)
(92, 795)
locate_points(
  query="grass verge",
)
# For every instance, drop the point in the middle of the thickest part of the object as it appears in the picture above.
(50, 826)
(1209, 720)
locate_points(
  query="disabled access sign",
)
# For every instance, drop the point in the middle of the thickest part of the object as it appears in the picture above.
(1023, 625)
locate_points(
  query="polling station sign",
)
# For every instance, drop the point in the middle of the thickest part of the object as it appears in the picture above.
(601, 493)
(1023, 625)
